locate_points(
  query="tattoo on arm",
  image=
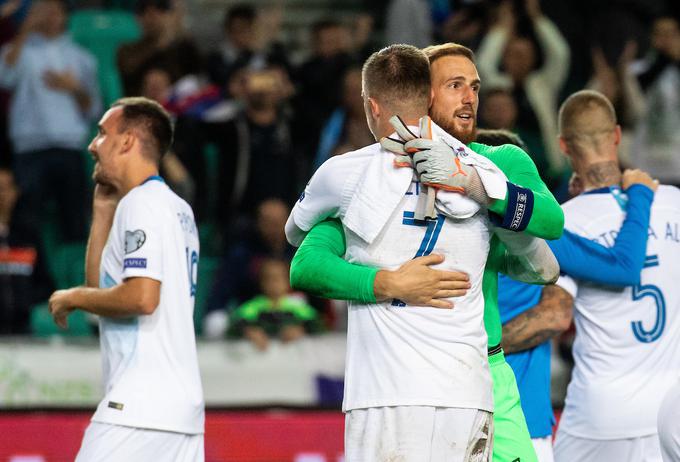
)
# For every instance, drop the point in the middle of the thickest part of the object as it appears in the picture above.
(549, 318)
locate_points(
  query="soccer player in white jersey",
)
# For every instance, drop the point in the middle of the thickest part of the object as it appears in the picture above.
(142, 258)
(626, 346)
(417, 383)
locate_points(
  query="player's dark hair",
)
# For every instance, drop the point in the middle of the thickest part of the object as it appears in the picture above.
(242, 11)
(151, 119)
(434, 52)
(499, 138)
(398, 75)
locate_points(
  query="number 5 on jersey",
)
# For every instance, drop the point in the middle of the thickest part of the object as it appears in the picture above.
(649, 290)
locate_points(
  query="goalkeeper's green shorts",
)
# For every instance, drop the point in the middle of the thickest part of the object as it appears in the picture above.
(511, 440)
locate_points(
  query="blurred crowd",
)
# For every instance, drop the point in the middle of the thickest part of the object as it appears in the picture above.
(255, 118)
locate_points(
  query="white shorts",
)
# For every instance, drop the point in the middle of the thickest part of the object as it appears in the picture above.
(115, 443)
(418, 433)
(669, 426)
(569, 448)
(544, 449)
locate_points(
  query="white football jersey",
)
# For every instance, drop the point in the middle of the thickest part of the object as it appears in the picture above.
(626, 346)
(399, 355)
(150, 365)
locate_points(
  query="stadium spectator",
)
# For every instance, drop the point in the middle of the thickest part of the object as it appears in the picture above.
(465, 26)
(244, 45)
(54, 98)
(319, 83)
(657, 138)
(163, 45)
(256, 159)
(346, 129)
(24, 279)
(497, 109)
(237, 278)
(7, 31)
(507, 59)
(275, 312)
(618, 83)
(157, 86)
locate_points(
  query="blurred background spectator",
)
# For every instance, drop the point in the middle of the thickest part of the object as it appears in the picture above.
(55, 97)
(657, 138)
(525, 53)
(246, 43)
(24, 279)
(319, 82)
(275, 313)
(164, 44)
(237, 277)
(256, 155)
(346, 129)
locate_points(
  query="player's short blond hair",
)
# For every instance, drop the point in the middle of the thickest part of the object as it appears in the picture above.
(586, 119)
(434, 52)
(398, 76)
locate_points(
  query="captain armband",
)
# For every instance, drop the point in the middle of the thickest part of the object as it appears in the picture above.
(519, 210)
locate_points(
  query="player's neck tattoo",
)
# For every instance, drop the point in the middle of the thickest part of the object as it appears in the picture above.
(602, 174)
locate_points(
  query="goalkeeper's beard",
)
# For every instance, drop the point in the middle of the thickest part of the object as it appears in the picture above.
(464, 135)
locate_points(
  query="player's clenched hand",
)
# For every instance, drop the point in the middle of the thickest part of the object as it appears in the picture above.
(416, 283)
(61, 305)
(637, 176)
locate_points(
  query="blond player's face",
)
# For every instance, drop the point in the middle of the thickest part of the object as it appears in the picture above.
(455, 83)
(105, 146)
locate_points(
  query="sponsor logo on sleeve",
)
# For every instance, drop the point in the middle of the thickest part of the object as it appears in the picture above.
(134, 263)
(134, 240)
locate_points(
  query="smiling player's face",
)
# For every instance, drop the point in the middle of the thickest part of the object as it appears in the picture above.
(455, 83)
(105, 145)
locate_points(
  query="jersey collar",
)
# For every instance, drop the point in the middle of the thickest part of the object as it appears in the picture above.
(602, 190)
(154, 178)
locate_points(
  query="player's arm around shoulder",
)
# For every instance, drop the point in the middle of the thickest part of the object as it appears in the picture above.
(319, 268)
(325, 196)
(529, 205)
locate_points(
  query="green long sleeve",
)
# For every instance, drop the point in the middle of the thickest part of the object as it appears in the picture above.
(318, 267)
(547, 219)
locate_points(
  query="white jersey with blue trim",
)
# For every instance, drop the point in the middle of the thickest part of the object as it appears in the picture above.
(150, 366)
(626, 347)
(399, 355)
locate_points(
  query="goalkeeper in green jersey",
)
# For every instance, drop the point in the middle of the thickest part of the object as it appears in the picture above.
(318, 266)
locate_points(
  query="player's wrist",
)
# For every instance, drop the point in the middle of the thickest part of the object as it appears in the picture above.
(383, 285)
